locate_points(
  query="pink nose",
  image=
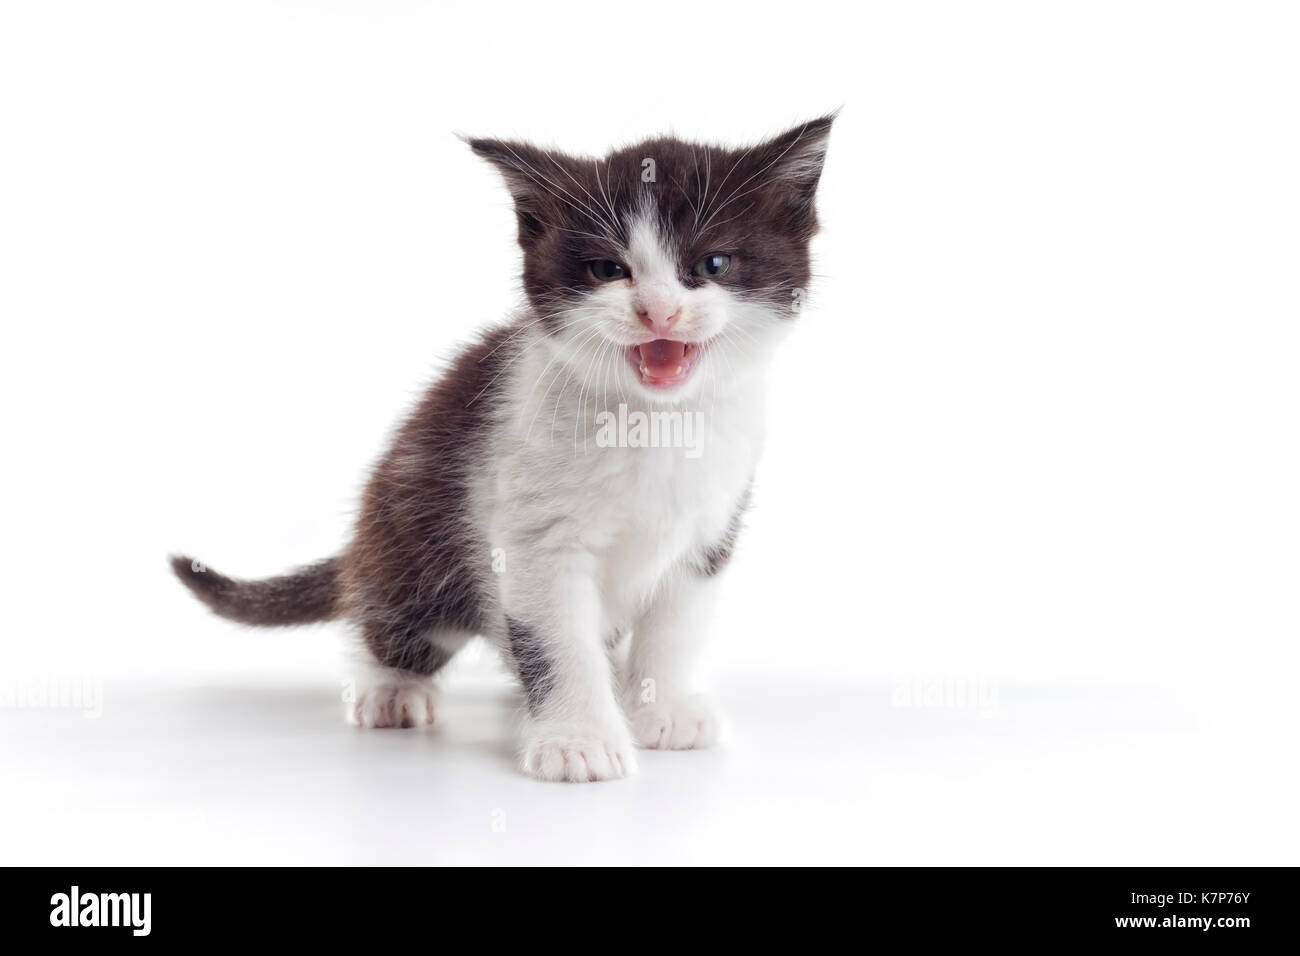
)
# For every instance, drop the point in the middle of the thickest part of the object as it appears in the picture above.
(659, 319)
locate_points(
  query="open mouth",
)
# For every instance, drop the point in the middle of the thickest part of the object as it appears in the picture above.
(664, 363)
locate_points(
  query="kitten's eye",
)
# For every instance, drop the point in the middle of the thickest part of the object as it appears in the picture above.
(712, 266)
(607, 270)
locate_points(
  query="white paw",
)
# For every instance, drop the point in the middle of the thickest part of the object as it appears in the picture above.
(682, 723)
(578, 756)
(403, 704)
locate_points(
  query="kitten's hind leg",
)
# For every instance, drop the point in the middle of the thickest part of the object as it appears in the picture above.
(392, 684)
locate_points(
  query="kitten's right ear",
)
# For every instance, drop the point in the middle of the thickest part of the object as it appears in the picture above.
(523, 166)
(526, 170)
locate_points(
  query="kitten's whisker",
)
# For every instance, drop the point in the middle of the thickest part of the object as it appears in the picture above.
(610, 223)
(520, 330)
(609, 204)
(615, 353)
(582, 406)
(596, 406)
(734, 166)
(571, 200)
(515, 359)
(774, 161)
(563, 375)
(744, 212)
(581, 338)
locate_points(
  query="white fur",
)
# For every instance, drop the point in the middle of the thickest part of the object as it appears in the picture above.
(384, 697)
(598, 540)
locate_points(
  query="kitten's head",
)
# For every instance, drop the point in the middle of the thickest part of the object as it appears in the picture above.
(666, 262)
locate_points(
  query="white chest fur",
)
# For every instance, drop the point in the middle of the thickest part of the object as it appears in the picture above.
(552, 492)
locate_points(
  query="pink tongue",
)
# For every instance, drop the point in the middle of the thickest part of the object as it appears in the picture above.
(662, 356)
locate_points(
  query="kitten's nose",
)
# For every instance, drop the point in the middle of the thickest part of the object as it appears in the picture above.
(659, 318)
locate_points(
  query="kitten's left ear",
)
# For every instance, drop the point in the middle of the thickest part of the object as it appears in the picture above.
(789, 166)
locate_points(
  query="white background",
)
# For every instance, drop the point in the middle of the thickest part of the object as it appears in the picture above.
(1020, 582)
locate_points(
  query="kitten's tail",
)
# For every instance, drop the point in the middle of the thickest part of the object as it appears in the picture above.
(302, 596)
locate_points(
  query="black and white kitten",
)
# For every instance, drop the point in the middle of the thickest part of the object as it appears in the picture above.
(551, 492)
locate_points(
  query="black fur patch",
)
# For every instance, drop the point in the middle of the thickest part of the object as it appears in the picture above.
(715, 557)
(413, 648)
(531, 662)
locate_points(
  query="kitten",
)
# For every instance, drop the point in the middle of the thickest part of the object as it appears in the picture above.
(552, 491)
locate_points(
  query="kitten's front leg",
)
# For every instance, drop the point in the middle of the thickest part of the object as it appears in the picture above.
(658, 693)
(575, 729)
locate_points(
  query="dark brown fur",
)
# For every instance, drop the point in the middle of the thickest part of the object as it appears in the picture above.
(300, 597)
(415, 561)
